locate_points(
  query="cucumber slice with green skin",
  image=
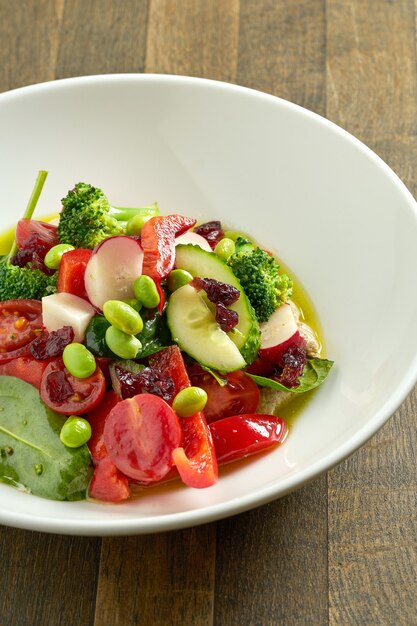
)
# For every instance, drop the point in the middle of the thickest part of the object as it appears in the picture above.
(194, 328)
(246, 335)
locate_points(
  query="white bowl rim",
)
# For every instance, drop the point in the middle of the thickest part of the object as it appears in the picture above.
(174, 521)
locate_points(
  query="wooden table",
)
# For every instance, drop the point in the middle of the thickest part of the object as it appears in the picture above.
(343, 549)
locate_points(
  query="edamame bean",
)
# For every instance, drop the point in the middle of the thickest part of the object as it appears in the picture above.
(146, 292)
(189, 401)
(54, 255)
(75, 432)
(136, 223)
(124, 345)
(78, 360)
(234, 234)
(225, 248)
(177, 279)
(123, 316)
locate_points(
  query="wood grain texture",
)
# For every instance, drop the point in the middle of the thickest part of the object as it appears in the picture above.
(47, 580)
(101, 37)
(272, 563)
(163, 580)
(372, 92)
(194, 38)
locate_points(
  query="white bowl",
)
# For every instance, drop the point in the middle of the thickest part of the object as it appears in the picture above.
(333, 211)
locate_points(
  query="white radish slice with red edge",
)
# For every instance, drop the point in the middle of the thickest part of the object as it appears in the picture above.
(195, 239)
(278, 334)
(113, 267)
(65, 309)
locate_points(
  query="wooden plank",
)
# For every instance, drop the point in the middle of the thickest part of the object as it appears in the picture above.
(282, 49)
(47, 580)
(29, 36)
(194, 38)
(102, 36)
(169, 579)
(163, 580)
(272, 562)
(372, 91)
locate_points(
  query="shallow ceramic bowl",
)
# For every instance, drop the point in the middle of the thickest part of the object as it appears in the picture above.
(332, 210)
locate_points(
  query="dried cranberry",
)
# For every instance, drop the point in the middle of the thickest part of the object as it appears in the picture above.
(149, 380)
(226, 318)
(33, 254)
(211, 231)
(293, 360)
(216, 291)
(58, 387)
(50, 345)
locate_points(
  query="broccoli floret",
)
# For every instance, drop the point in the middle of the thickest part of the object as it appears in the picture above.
(24, 282)
(258, 273)
(87, 217)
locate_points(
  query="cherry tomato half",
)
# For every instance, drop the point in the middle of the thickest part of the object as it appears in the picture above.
(239, 395)
(140, 435)
(108, 484)
(20, 324)
(68, 395)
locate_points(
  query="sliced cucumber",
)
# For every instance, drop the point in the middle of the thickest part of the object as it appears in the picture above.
(246, 335)
(194, 328)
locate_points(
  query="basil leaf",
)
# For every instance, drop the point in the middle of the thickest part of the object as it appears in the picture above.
(315, 372)
(32, 456)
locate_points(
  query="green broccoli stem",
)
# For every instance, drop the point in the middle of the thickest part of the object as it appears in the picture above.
(31, 206)
(123, 214)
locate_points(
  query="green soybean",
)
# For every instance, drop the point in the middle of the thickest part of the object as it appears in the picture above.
(177, 279)
(54, 255)
(225, 248)
(146, 292)
(136, 223)
(124, 345)
(78, 360)
(189, 401)
(123, 316)
(135, 304)
(75, 432)
(234, 234)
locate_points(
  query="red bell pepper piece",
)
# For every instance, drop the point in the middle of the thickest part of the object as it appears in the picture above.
(157, 239)
(196, 461)
(240, 436)
(108, 483)
(71, 272)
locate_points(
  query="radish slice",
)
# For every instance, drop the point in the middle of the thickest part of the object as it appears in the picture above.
(278, 334)
(65, 309)
(195, 239)
(114, 265)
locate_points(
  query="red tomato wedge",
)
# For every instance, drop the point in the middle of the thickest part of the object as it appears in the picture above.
(71, 272)
(108, 483)
(240, 394)
(140, 434)
(157, 239)
(26, 368)
(196, 460)
(240, 436)
(97, 419)
(20, 324)
(68, 395)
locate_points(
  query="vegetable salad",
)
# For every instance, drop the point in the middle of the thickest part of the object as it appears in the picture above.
(137, 347)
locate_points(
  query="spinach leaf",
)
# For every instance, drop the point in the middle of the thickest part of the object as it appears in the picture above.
(315, 372)
(32, 456)
(154, 336)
